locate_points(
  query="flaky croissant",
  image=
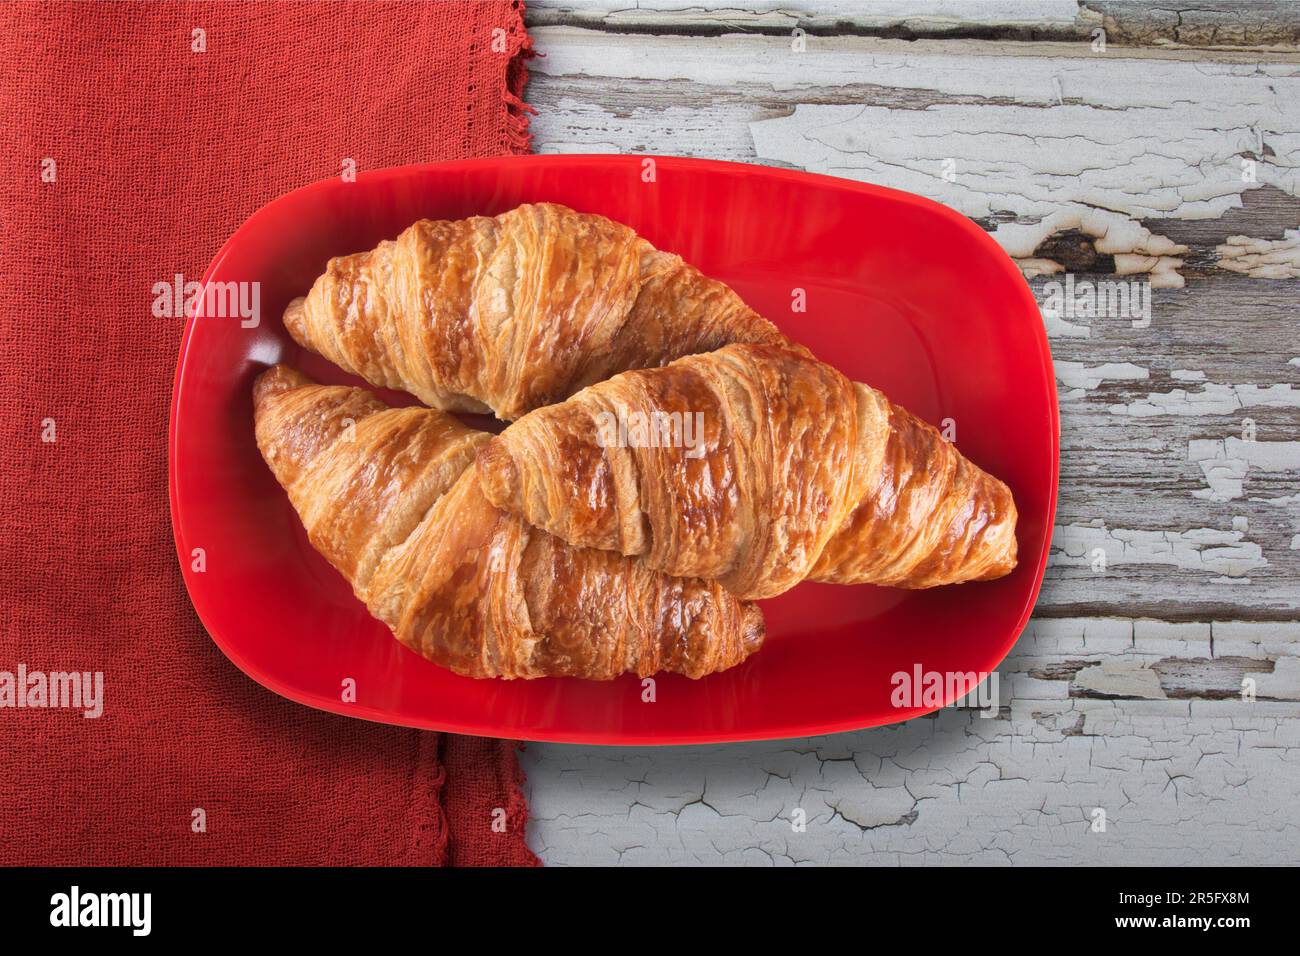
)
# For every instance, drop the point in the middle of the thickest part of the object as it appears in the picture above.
(759, 467)
(389, 497)
(516, 311)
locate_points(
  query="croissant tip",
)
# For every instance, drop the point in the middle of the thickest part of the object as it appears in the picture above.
(295, 319)
(277, 379)
(753, 629)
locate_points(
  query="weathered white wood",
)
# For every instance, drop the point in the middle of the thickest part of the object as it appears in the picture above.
(1197, 24)
(1186, 770)
(1060, 18)
(1228, 463)
(1098, 714)
(1174, 579)
(1178, 455)
(1143, 719)
(1105, 145)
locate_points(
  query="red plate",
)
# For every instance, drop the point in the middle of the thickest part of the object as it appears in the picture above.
(901, 293)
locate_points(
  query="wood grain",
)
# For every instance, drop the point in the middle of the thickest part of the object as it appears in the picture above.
(1193, 24)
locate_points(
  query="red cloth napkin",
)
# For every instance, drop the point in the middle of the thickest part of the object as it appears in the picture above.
(157, 153)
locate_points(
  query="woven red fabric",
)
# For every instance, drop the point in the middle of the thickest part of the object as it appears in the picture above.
(159, 152)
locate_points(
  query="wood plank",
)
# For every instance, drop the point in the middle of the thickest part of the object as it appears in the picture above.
(1192, 24)
(1053, 19)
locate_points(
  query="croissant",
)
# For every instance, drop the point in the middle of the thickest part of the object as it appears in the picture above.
(389, 497)
(515, 312)
(759, 467)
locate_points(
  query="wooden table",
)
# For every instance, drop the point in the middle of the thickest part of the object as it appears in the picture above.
(1165, 156)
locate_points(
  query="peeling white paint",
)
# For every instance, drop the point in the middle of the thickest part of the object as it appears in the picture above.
(914, 15)
(957, 788)
(1081, 378)
(1226, 462)
(1033, 161)
(1202, 549)
(1213, 399)
(1283, 683)
(1262, 258)
(1259, 639)
(1121, 678)
(1058, 327)
(1065, 139)
(950, 790)
(1039, 165)
(1136, 249)
(1033, 268)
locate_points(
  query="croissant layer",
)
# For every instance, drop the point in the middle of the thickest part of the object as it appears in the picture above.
(759, 467)
(514, 312)
(390, 498)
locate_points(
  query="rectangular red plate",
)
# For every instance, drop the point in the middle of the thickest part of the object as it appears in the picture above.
(900, 292)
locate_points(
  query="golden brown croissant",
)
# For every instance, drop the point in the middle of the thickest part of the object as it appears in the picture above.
(759, 467)
(389, 497)
(514, 312)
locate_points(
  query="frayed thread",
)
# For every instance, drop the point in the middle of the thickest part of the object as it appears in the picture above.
(517, 137)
